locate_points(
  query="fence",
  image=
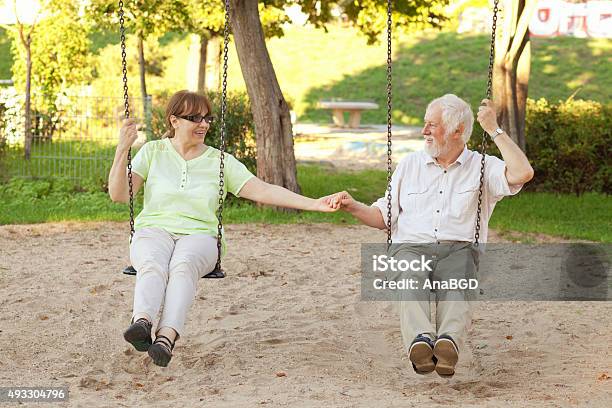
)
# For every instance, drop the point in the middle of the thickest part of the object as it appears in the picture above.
(76, 139)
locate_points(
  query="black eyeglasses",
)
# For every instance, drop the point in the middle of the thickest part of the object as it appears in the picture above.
(199, 118)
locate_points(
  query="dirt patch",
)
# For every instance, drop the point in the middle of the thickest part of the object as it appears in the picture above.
(285, 328)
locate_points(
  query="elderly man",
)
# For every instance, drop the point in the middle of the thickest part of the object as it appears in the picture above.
(434, 201)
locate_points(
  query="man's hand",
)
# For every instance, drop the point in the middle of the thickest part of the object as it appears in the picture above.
(324, 204)
(487, 117)
(518, 169)
(341, 200)
(368, 215)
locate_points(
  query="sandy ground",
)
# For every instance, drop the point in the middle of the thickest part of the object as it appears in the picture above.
(285, 328)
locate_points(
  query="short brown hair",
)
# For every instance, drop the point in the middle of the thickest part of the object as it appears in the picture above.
(185, 103)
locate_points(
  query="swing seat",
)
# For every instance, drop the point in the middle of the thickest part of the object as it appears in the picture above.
(216, 273)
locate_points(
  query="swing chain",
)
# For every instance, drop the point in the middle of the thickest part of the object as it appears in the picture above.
(483, 146)
(126, 103)
(389, 77)
(223, 130)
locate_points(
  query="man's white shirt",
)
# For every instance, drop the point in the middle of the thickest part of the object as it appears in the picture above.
(430, 203)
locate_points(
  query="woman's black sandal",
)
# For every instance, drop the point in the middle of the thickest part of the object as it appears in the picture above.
(139, 334)
(161, 350)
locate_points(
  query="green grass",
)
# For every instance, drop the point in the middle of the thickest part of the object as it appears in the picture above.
(568, 216)
(312, 65)
(561, 215)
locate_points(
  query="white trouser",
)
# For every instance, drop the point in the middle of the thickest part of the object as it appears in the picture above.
(168, 269)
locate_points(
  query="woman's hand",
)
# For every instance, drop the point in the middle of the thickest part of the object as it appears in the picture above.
(326, 204)
(127, 135)
(340, 201)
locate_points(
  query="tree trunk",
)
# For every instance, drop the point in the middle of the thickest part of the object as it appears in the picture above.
(28, 113)
(143, 83)
(523, 71)
(273, 130)
(512, 67)
(213, 59)
(202, 64)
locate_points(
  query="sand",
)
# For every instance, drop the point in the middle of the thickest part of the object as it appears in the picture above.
(285, 328)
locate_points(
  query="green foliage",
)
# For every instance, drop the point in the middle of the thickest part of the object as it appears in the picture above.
(207, 18)
(569, 145)
(60, 53)
(370, 16)
(6, 62)
(107, 79)
(143, 17)
(60, 60)
(240, 140)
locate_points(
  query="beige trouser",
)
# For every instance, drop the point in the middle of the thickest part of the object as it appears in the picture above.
(453, 312)
(168, 269)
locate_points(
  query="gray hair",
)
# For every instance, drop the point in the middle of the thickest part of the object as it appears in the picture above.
(455, 111)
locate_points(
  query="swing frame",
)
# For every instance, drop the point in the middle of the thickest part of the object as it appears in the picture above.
(218, 271)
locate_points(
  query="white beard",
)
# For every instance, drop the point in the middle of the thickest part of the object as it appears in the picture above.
(434, 150)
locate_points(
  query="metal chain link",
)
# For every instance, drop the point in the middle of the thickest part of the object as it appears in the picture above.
(389, 111)
(126, 103)
(226, 30)
(483, 147)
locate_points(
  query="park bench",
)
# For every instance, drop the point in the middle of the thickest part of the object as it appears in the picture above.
(354, 108)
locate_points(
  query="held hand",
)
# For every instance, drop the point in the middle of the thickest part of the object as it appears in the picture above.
(487, 116)
(127, 135)
(323, 204)
(341, 200)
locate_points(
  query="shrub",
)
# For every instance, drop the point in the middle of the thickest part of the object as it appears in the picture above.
(568, 144)
(240, 135)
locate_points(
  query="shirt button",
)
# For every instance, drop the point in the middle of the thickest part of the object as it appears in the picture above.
(445, 171)
(440, 191)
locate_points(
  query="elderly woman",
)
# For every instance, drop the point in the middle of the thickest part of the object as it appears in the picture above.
(175, 234)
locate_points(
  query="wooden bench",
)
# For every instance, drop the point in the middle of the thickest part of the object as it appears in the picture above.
(354, 108)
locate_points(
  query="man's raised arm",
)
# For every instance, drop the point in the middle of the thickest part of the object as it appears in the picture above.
(518, 169)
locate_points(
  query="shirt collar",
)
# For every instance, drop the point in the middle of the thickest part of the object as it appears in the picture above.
(461, 159)
(463, 156)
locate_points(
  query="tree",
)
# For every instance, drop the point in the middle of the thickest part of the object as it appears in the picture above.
(273, 130)
(24, 33)
(51, 55)
(143, 17)
(512, 66)
(370, 16)
(207, 20)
